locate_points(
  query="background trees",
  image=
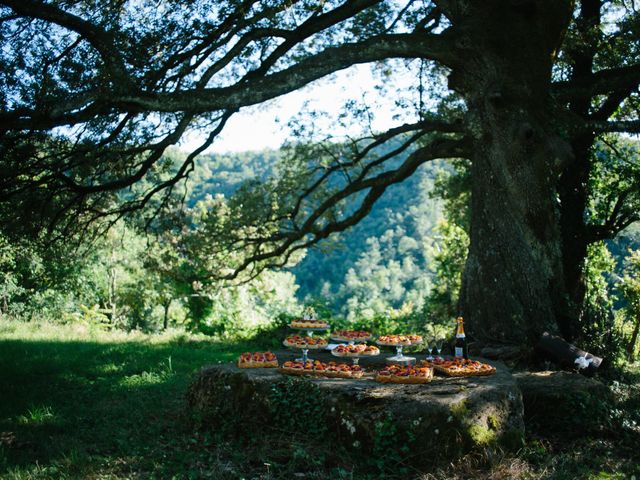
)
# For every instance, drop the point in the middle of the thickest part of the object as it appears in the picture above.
(92, 100)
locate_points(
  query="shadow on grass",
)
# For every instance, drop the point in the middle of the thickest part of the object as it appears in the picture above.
(79, 407)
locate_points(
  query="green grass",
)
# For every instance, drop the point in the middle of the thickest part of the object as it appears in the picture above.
(81, 403)
(77, 403)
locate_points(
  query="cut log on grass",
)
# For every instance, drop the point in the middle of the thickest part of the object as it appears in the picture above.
(567, 356)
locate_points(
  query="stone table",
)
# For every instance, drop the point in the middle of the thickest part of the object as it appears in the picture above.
(437, 421)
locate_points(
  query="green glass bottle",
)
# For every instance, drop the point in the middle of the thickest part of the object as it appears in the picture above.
(460, 345)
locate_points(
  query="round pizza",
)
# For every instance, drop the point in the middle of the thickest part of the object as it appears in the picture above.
(355, 350)
(311, 343)
(309, 323)
(399, 340)
(460, 367)
(351, 335)
(321, 369)
(257, 360)
(404, 374)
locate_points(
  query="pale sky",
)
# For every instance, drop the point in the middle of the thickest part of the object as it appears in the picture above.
(265, 126)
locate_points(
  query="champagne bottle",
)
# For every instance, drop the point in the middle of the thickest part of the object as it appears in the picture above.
(460, 345)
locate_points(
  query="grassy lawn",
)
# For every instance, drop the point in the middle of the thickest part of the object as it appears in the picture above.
(81, 404)
(78, 403)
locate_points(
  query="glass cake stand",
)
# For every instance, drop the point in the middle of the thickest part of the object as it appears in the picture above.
(305, 351)
(399, 357)
(354, 358)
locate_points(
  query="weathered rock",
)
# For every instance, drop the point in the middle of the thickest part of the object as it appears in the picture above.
(436, 421)
(557, 401)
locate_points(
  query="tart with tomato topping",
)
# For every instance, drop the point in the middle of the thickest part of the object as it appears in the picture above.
(404, 374)
(309, 323)
(321, 369)
(257, 360)
(399, 340)
(351, 335)
(311, 343)
(356, 350)
(460, 367)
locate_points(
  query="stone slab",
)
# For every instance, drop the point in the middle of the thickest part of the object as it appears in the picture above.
(563, 402)
(437, 421)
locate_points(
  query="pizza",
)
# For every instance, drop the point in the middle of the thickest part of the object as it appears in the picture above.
(404, 374)
(257, 360)
(399, 340)
(308, 323)
(298, 341)
(321, 369)
(460, 367)
(356, 350)
(351, 335)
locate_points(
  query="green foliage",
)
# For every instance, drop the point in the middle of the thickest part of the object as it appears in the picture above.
(448, 249)
(449, 253)
(298, 408)
(614, 183)
(391, 446)
(629, 288)
(600, 332)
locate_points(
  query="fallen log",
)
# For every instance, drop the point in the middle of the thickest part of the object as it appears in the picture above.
(566, 355)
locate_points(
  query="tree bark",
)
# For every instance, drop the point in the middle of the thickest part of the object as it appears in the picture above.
(572, 192)
(513, 285)
(165, 320)
(631, 348)
(572, 187)
(113, 305)
(564, 354)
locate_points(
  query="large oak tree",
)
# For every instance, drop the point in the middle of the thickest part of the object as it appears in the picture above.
(93, 93)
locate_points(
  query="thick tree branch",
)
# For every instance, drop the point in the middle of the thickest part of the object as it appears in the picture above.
(619, 218)
(316, 227)
(599, 83)
(251, 92)
(102, 40)
(629, 126)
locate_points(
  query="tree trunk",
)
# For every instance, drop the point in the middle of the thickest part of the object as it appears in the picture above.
(113, 305)
(572, 187)
(165, 320)
(572, 192)
(513, 285)
(631, 348)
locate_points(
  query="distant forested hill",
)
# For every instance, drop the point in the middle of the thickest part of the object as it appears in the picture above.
(381, 263)
(376, 265)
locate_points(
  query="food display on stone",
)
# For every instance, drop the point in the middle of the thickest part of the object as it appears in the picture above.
(404, 374)
(399, 340)
(302, 324)
(351, 335)
(311, 343)
(460, 367)
(309, 320)
(356, 350)
(321, 369)
(257, 360)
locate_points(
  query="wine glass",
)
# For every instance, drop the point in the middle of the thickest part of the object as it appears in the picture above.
(430, 346)
(439, 342)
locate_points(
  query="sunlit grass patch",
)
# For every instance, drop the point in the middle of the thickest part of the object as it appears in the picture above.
(143, 379)
(37, 415)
